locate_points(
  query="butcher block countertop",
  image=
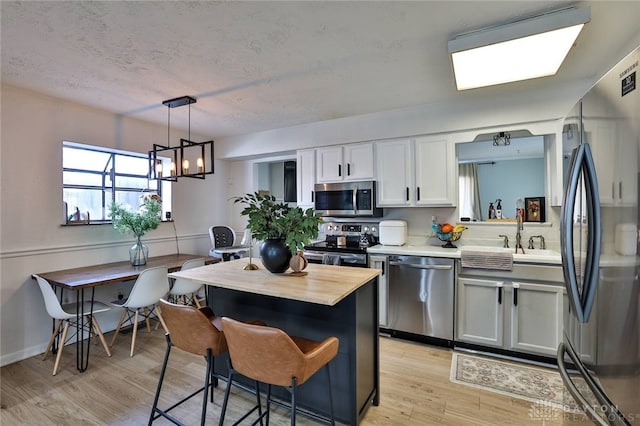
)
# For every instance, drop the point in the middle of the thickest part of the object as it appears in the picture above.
(323, 284)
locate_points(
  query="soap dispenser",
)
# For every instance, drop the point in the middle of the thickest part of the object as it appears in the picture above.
(492, 212)
(498, 208)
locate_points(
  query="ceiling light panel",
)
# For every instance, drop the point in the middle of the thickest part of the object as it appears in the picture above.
(523, 50)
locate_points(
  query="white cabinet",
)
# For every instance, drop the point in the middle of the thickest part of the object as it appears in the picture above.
(435, 171)
(616, 160)
(305, 177)
(536, 317)
(394, 172)
(381, 262)
(480, 313)
(345, 162)
(416, 172)
(510, 314)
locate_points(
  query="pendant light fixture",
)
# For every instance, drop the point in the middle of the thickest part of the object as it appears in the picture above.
(501, 139)
(189, 159)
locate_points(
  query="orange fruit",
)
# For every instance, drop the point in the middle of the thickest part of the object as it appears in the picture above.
(446, 228)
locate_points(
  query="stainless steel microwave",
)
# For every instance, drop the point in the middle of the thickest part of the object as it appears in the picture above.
(346, 199)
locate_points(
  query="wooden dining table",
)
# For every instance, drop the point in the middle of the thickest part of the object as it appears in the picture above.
(85, 279)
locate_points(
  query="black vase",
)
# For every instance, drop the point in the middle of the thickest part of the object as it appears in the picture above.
(275, 255)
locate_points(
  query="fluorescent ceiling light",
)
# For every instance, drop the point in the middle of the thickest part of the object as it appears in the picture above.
(522, 50)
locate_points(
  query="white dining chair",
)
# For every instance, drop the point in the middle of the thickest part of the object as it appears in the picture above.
(67, 314)
(186, 291)
(151, 286)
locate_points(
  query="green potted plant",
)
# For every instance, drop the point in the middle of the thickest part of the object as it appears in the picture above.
(146, 218)
(284, 230)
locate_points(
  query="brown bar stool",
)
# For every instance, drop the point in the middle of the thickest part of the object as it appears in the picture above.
(199, 332)
(269, 355)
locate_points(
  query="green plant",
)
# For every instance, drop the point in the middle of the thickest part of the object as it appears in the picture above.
(147, 217)
(271, 219)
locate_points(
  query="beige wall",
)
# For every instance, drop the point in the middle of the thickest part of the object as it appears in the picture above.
(31, 238)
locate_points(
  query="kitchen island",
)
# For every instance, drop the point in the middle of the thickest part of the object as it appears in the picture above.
(329, 301)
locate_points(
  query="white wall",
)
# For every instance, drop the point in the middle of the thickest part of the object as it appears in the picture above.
(468, 112)
(31, 238)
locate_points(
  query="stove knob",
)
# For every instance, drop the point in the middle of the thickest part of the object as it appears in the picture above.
(373, 229)
(366, 229)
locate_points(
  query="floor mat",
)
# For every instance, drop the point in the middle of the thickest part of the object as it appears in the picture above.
(535, 384)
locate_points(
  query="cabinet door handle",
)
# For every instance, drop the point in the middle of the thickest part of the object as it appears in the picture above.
(348, 169)
(613, 190)
(339, 169)
(383, 268)
(418, 193)
(407, 196)
(620, 189)
(499, 286)
(312, 194)
(515, 296)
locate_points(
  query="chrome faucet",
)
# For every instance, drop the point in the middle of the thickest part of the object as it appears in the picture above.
(542, 243)
(505, 242)
(518, 236)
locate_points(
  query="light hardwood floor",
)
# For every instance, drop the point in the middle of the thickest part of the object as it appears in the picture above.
(415, 390)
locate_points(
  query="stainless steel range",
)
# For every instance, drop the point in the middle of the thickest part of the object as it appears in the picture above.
(345, 244)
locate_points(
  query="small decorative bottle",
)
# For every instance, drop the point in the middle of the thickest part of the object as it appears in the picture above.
(492, 212)
(520, 209)
(499, 209)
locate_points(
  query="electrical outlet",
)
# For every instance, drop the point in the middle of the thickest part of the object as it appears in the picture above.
(120, 294)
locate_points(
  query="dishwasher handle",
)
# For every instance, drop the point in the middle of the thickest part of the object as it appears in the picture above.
(419, 266)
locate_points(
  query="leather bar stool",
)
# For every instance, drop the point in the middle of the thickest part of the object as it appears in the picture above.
(269, 355)
(199, 332)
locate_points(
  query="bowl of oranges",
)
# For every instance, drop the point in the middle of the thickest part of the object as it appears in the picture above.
(448, 233)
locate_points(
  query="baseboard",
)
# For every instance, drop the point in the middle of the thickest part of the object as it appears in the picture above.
(21, 355)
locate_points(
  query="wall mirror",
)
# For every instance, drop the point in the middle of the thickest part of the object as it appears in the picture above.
(488, 173)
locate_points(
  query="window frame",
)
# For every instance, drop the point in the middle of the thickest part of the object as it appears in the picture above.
(109, 192)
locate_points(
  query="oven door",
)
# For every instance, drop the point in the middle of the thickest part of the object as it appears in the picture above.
(358, 260)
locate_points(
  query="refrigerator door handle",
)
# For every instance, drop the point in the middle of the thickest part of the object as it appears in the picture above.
(594, 234)
(573, 389)
(607, 408)
(581, 164)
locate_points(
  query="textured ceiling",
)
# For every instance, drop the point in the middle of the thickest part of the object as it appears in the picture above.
(261, 65)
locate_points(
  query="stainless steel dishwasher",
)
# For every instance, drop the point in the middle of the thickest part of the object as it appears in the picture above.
(421, 295)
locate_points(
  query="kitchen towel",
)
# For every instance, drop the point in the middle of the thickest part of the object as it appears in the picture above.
(486, 260)
(331, 259)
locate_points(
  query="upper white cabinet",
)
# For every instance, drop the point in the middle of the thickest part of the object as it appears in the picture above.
(306, 177)
(416, 172)
(395, 172)
(345, 162)
(615, 159)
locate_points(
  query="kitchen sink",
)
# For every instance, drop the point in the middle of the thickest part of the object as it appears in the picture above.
(487, 249)
(530, 255)
(538, 255)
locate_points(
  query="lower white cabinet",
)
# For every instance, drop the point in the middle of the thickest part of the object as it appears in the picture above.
(509, 314)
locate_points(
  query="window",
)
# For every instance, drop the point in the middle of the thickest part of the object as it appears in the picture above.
(94, 177)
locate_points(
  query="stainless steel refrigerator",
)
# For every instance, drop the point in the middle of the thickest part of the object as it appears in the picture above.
(599, 244)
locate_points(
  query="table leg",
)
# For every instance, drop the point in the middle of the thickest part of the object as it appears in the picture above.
(82, 355)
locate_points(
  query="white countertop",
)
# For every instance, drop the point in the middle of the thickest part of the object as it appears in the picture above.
(552, 257)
